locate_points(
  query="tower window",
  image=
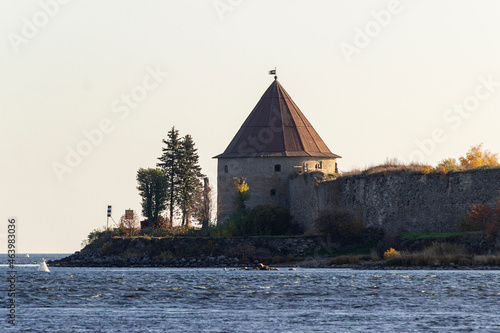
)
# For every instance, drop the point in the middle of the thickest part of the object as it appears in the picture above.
(226, 169)
(273, 192)
(277, 168)
(319, 165)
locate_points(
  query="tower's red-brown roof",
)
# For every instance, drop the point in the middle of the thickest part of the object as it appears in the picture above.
(276, 127)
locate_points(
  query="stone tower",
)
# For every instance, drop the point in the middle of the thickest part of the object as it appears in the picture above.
(274, 142)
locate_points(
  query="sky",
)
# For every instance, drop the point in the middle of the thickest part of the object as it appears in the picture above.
(88, 90)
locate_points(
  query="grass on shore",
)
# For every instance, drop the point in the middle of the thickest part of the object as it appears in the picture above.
(436, 254)
(430, 235)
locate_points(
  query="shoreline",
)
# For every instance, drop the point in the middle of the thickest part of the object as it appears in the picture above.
(466, 252)
(235, 263)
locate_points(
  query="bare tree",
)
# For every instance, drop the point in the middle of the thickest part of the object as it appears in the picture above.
(130, 224)
(202, 205)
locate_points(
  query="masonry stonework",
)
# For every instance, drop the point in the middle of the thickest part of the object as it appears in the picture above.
(267, 177)
(275, 142)
(396, 201)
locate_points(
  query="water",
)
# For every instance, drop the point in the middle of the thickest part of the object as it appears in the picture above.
(214, 300)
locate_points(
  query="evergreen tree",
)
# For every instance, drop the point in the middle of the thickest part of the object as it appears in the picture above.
(153, 190)
(170, 165)
(190, 178)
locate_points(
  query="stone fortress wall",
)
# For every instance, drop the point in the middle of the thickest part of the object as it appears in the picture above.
(397, 201)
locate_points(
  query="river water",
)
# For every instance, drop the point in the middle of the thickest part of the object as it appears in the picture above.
(218, 300)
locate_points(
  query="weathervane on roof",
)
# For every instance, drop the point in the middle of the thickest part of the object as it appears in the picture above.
(273, 71)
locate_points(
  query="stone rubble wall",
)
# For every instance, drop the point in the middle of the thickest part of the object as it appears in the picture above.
(397, 201)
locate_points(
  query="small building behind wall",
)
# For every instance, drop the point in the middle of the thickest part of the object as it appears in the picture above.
(275, 141)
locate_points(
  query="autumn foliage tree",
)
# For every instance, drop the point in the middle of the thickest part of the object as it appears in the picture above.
(476, 157)
(478, 217)
(481, 217)
(242, 193)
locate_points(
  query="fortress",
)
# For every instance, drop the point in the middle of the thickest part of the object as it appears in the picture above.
(284, 161)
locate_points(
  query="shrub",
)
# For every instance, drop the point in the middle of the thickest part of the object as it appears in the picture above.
(340, 260)
(342, 226)
(478, 218)
(391, 253)
(268, 220)
(165, 255)
(464, 262)
(427, 170)
(447, 165)
(396, 261)
(231, 228)
(374, 255)
(277, 260)
(98, 237)
(444, 249)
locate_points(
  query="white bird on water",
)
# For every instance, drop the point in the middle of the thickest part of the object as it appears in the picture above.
(43, 267)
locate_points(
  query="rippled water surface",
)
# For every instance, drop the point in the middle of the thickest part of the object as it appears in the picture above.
(214, 300)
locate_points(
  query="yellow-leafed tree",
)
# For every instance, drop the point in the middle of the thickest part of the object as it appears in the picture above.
(242, 193)
(477, 157)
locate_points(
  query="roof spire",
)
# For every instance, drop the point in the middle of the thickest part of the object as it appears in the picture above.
(276, 127)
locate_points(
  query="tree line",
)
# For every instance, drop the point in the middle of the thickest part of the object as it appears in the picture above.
(175, 185)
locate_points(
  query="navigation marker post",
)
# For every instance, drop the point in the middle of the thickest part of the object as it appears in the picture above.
(108, 216)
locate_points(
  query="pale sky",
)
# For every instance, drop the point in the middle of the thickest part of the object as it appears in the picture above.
(416, 80)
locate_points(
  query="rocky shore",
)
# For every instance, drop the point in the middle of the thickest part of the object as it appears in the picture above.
(307, 252)
(91, 258)
(193, 252)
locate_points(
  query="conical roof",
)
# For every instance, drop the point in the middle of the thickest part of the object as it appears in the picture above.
(276, 127)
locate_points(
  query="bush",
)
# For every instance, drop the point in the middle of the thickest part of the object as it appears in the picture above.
(444, 249)
(340, 260)
(231, 228)
(464, 262)
(98, 237)
(342, 226)
(268, 220)
(391, 253)
(478, 218)
(396, 261)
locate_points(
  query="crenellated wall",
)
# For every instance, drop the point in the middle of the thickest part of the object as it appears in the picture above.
(396, 201)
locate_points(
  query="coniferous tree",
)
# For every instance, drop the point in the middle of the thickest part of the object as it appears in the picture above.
(190, 177)
(170, 165)
(153, 190)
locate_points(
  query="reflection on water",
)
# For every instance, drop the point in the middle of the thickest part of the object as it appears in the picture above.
(214, 300)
